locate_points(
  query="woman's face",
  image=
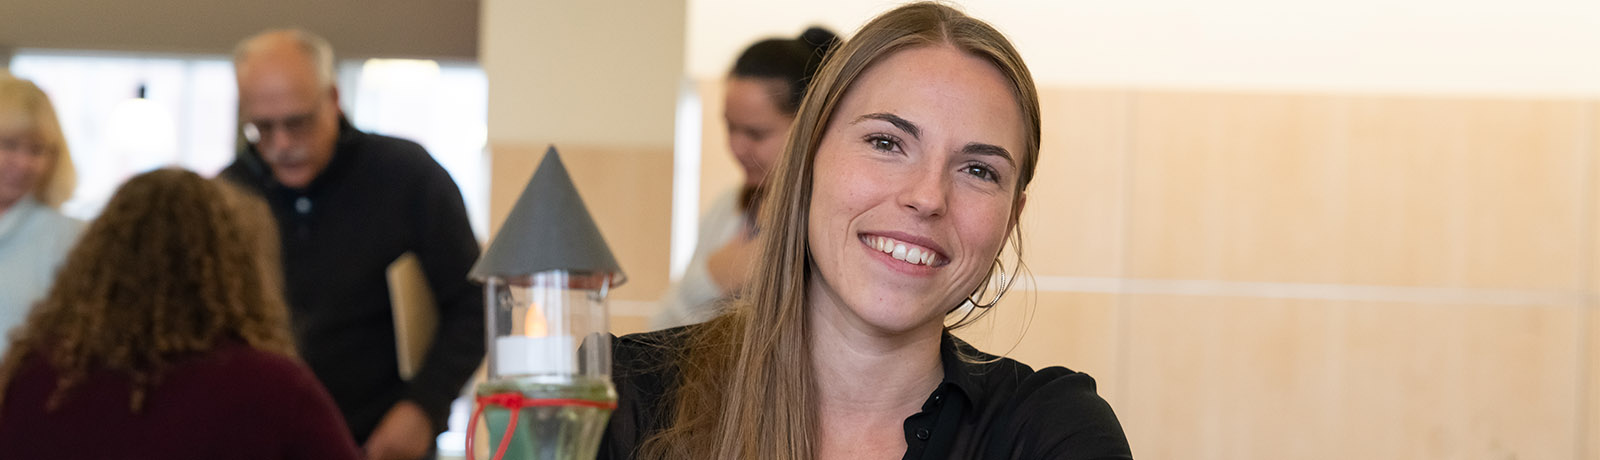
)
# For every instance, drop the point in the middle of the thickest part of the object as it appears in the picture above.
(912, 193)
(23, 164)
(756, 126)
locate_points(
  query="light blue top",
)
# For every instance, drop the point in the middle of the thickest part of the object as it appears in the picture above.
(34, 239)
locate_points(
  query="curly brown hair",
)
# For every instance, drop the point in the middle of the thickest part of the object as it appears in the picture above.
(173, 264)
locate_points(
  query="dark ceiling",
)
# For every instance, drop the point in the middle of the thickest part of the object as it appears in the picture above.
(440, 29)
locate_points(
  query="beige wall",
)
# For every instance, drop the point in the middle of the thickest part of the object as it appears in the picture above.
(1412, 46)
(597, 80)
(1589, 420)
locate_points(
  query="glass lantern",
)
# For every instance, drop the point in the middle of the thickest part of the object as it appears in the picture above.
(546, 275)
(549, 360)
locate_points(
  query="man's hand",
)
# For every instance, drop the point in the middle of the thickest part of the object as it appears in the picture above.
(403, 434)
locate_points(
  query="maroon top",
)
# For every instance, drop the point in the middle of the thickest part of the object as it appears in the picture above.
(233, 402)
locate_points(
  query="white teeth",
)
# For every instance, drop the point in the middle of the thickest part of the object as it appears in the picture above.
(902, 252)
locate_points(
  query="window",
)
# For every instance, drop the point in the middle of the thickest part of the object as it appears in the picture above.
(188, 116)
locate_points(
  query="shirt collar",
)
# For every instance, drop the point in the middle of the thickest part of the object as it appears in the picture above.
(13, 217)
(348, 137)
(960, 369)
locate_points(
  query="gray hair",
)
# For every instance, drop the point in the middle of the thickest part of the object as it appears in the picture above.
(312, 45)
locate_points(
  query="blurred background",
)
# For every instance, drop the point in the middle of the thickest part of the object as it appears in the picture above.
(1271, 230)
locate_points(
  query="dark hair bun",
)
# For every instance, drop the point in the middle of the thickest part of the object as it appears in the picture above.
(790, 60)
(819, 39)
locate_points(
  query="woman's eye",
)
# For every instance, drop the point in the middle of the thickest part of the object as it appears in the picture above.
(883, 143)
(982, 172)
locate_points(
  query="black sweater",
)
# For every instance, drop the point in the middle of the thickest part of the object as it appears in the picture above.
(379, 198)
(993, 409)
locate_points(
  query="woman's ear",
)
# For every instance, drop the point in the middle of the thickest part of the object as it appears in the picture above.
(1016, 211)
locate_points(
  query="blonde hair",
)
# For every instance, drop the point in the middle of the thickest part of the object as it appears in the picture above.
(173, 264)
(746, 389)
(26, 110)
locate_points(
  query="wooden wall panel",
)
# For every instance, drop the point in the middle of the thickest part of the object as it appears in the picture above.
(1072, 222)
(628, 324)
(628, 191)
(1451, 381)
(1385, 191)
(1235, 186)
(1243, 378)
(1218, 378)
(1465, 193)
(1041, 329)
(1589, 417)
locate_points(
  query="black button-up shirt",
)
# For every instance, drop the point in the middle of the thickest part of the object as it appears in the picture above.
(986, 407)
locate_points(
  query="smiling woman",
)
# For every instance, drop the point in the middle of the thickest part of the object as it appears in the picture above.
(904, 173)
(915, 166)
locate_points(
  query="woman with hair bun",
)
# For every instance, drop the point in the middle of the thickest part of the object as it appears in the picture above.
(761, 96)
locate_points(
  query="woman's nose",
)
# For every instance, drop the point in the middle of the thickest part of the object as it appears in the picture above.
(926, 192)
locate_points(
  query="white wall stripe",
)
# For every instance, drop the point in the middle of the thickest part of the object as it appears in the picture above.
(1309, 291)
(1213, 288)
(1210, 288)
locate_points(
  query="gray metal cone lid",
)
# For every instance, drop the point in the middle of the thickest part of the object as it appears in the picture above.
(548, 229)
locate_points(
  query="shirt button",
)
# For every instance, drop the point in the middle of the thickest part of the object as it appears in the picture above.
(302, 205)
(922, 433)
(938, 399)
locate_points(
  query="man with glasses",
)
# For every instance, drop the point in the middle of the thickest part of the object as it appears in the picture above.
(348, 204)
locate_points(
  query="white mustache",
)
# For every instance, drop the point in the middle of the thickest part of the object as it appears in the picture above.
(297, 155)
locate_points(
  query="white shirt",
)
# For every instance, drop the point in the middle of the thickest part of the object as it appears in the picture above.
(691, 299)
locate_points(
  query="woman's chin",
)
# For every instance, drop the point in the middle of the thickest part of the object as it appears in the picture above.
(894, 319)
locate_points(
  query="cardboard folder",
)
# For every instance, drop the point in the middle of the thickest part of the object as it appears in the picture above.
(415, 313)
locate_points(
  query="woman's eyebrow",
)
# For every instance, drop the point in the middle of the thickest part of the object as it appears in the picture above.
(903, 124)
(979, 148)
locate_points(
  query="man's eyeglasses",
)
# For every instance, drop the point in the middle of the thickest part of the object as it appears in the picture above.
(293, 125)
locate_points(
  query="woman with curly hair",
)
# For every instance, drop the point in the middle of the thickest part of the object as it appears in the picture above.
(164, 337)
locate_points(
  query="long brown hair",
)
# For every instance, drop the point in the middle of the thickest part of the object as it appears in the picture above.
(747, 389)
(173, 264)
